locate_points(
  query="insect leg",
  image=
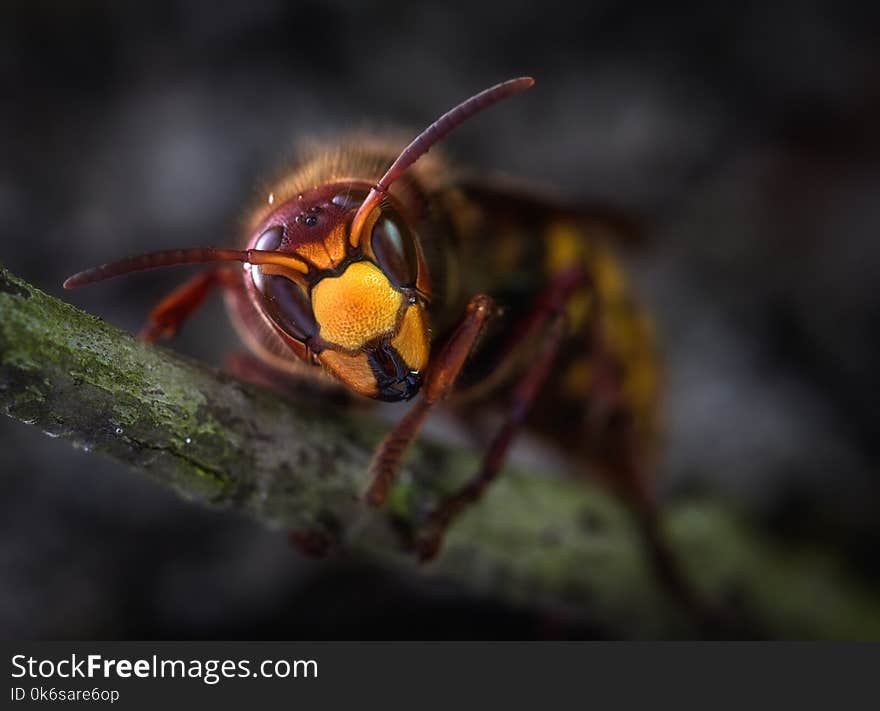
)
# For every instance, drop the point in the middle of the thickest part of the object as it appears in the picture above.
(441, 376)
(548, 321)
(297, 381)
(523, 398)
(168, 316)
(619, 452)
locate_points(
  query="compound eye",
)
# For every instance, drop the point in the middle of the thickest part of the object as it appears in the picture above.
(395, 250)
(286, 304)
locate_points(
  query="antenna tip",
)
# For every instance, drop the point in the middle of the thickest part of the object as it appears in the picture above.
(519, 83)
(514, 86)
(72, 282)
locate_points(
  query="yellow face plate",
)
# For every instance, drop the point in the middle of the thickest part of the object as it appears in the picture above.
(356, 307)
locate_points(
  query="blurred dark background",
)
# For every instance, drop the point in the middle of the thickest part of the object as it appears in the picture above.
(747, 136)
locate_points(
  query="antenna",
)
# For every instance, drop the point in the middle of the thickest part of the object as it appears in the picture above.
(173, 257)
(434, 133)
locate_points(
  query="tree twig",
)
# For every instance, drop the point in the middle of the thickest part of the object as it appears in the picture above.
(536, 540)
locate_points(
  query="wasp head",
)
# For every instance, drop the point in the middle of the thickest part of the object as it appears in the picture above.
(338, 272)
(357, 305)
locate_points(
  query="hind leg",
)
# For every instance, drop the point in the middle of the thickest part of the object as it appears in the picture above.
(618, 452)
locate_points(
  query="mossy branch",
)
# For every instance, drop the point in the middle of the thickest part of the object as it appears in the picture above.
(536, 540)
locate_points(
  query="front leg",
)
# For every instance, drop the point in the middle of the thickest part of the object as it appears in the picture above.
(547, 323)
(521, 404)
(442, 374)
(169, 314)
